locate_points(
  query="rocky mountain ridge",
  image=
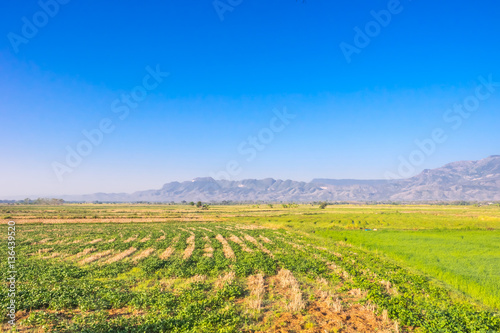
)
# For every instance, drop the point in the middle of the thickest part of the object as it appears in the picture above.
(463, 180)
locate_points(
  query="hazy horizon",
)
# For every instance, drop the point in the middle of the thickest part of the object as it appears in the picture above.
(268, 91)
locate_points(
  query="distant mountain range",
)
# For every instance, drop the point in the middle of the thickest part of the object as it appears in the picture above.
(464, 180)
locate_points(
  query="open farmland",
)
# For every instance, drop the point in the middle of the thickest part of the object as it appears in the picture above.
(147, 268)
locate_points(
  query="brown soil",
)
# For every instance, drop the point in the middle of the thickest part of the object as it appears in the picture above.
(320, 319)
(198, 278)
(325, 313)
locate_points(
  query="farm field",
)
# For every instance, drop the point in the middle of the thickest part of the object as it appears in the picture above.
(255, 268)
(469, 261)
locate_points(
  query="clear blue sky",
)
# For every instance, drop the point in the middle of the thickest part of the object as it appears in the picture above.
(352, 119)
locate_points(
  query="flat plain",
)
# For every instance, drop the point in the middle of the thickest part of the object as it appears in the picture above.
(254, 268)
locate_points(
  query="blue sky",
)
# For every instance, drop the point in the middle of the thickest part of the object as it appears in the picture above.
(228, 78)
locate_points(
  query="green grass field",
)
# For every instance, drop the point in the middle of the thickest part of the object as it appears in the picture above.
(467, 260)
(254, 268)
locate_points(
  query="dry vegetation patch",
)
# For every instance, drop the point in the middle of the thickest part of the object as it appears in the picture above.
(319, 318)
(95, 257)
(331, 300)
(40, 251)
(257, 290)
(289, 283)
(249, 227)
(121, 255)
(226, 248)
(198, 278)
(295, 245)
(143, 254)
(244, 247)
(131, 239)
(222, 280)
(85, 252)
(190, 241)
(53, 255)
(209, 250)
(259, 245)
(45, 240)
(325, 312)
(265, 239)
(168, 252)
(145, 239)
